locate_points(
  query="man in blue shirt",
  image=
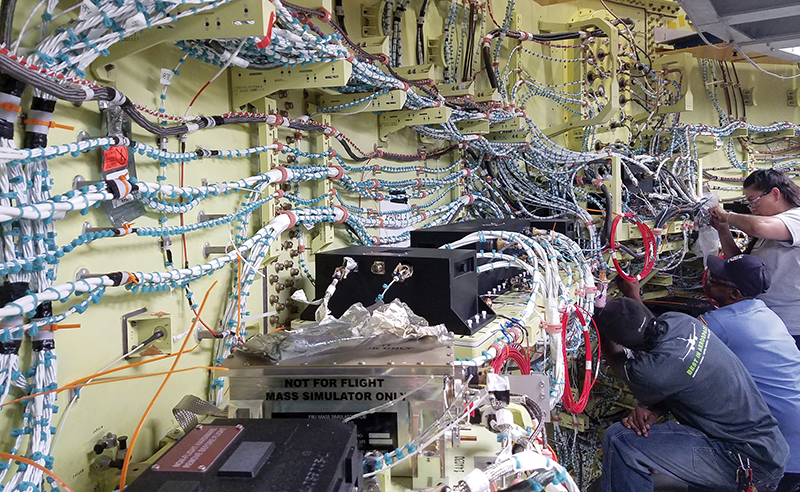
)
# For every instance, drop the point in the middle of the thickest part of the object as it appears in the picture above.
(761, 341)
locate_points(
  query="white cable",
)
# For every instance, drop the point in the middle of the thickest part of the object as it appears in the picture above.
(784, 77)
(63, 421)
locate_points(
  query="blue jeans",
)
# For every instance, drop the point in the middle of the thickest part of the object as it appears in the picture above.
(679, 451)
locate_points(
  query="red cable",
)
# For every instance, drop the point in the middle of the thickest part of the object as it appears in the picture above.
(198, 94)
(568, 400)
(522, 362)
(185, 251)
(597, 335)
(649, 247)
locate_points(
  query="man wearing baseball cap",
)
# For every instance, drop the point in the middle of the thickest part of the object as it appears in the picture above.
(675, 363)
(760, 339)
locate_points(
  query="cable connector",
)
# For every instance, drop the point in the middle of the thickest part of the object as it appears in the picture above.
(120, 187)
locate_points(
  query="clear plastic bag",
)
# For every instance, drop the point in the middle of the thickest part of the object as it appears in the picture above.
(357, 328)
(708, 238)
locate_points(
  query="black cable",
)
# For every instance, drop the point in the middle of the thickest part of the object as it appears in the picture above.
(541, 37)
(605, 232)
(339, 7)
(520, 325)
(486, 54)
(397, 29)
(7, 8)
(455, 215)
(465, 75)
(423, 10)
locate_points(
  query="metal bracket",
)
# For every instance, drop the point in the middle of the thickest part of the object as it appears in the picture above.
(395, 120)
(125, 318)
(616, 184)
(613, 105)
(788, 132)
(487, 96)
(459, 89)
(391, 101)
(374, 45)
(209, 250)
(249, 85)
(419, 72)
(203, 217)
(238, 19)
(510, 137)
(267, 134)
(435, 53)
(473, 127)
(324, 230)
(685, 63)
(370, 20)
(509, 125)
(792, 99)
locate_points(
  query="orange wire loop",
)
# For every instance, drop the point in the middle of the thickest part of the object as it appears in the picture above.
(127, 461)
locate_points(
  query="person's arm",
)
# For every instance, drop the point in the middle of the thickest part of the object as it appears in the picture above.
(764, 227)
(630, 290)
(729, 247)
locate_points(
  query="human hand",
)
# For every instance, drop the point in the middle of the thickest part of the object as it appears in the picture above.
(640, 420)
(719, 218)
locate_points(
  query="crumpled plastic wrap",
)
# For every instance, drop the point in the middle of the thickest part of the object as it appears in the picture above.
(357, 328)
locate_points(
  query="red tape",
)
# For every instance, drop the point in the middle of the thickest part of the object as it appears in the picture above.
(344, 211)
(339, 173)
(284, 173)
(267, 39)
(551, 327)
(292, 217)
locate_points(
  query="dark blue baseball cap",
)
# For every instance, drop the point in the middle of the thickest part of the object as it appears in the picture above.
(747, 272)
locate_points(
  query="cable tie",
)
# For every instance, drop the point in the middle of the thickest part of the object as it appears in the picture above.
(9, 106)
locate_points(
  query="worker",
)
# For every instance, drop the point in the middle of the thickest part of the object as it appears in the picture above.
(759, 338)
(774, 229)
(675, 363)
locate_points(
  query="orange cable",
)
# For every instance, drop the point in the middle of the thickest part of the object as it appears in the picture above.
(22, 459)
(135, 364)
(80, 384)
(139, 376)
(135, 435)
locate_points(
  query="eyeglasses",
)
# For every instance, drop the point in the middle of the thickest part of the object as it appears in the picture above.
(754, 202)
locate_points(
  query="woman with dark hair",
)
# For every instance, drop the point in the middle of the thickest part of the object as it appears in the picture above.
(774, 229)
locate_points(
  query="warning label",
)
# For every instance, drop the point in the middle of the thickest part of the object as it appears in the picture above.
(333, 389)
(115, 158)
(199, 449)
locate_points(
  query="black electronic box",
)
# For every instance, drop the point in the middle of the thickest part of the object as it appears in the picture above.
(442, 289)
(264, 455)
